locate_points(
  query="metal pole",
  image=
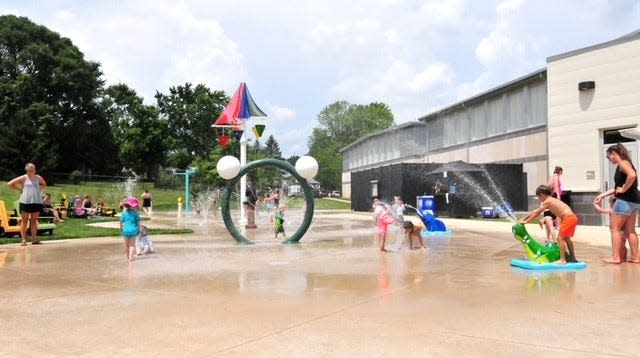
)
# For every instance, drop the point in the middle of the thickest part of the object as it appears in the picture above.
(186, 191)
(243, 180)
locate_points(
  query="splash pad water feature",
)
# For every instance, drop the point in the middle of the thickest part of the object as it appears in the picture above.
(205, 204)
(120, 191)
(539, 256)
(432, 225)
(229, 168)
(492, 197)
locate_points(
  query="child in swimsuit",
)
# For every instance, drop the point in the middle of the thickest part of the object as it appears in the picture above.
(413, 231)
(384, 218)
(279, 226)
(568, 221)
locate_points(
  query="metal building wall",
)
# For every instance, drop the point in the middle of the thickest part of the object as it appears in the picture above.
(501, 183)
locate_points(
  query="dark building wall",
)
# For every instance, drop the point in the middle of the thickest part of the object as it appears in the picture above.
(500, 183)
(510, 181)
(389, 179)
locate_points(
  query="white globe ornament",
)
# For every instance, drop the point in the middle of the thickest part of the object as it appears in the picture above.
(307, 167)
(228, 167)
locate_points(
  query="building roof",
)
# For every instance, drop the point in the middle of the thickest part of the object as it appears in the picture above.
(626, 38)
(383, 132)
(542, 73)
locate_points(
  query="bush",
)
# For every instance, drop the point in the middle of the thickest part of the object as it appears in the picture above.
(75, 177)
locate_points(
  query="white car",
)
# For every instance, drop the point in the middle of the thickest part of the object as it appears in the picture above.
(335, 194)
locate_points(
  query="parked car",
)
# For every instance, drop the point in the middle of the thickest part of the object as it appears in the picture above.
(336, 194)
(294, 191)
(320, 193)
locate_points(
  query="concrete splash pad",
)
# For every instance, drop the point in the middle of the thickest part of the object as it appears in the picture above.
(332, 295)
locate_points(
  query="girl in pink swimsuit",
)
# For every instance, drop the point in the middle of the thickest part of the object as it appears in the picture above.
(383, 216)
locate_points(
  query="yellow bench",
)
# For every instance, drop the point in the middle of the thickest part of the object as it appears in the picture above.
(45, 224)
(7, 228)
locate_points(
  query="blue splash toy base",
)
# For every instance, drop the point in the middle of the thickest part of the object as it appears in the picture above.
(427, 233)
(530, 265)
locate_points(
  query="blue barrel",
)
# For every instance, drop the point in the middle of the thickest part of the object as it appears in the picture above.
(426, 202)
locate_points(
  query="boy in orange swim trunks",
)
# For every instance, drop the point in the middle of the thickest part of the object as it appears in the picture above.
(568, 221)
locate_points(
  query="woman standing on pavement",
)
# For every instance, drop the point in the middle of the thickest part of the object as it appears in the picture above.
(147, 202)
(30, 187)
(627, 204)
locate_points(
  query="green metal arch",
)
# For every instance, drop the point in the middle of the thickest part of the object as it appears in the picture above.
(280, 164)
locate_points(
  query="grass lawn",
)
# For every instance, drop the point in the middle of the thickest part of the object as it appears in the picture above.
(110, 192)
(163, 200)
(79, 228)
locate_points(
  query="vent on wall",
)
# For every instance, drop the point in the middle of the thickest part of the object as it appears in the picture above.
(586, 85)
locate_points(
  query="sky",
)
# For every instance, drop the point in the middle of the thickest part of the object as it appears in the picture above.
(297, 57)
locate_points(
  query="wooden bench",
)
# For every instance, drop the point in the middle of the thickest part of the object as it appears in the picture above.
(10, 222)
(45, 223)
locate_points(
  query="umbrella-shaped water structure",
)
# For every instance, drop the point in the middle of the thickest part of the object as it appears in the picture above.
(240, 108)
(238, 111)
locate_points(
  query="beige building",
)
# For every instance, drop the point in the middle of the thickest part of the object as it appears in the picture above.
(593, 93)
(565, 115)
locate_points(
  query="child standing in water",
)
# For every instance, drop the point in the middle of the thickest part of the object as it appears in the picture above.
(147, 202)
(279, 227)
(268, 203)
(384, 217)
(130, 226)
(399, 208)
(568, 220)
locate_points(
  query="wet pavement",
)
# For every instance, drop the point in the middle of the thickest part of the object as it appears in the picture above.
(333, 294)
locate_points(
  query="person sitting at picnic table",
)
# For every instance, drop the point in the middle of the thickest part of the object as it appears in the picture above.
(48, 210)
(88, 205)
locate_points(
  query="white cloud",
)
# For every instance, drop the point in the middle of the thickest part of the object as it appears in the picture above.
(442, 13)
(502, 45)
(280, 114)
(153, 48)
(416, 57)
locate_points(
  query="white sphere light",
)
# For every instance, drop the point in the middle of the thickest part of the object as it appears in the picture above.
(228, 167)
(307, 167)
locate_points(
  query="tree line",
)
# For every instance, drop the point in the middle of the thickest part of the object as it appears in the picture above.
(56, 111)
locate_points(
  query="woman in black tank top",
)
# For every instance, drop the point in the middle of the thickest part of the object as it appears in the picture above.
(626, 207)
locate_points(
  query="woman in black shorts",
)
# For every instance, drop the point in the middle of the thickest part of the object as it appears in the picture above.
(30, 187)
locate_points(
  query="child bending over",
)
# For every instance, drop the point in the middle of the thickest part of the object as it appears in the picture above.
(413, 231)
(568, 221)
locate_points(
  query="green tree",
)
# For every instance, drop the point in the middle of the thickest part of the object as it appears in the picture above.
(272, 148)
(269, 176)
(207, 165)
(293, 159)
(48, 102)
(138, 131)
(190, 113)
(342, 123)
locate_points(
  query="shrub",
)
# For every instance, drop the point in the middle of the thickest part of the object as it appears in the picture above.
(75, 176)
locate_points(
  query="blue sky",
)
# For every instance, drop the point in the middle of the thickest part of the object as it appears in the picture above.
(299, 56)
